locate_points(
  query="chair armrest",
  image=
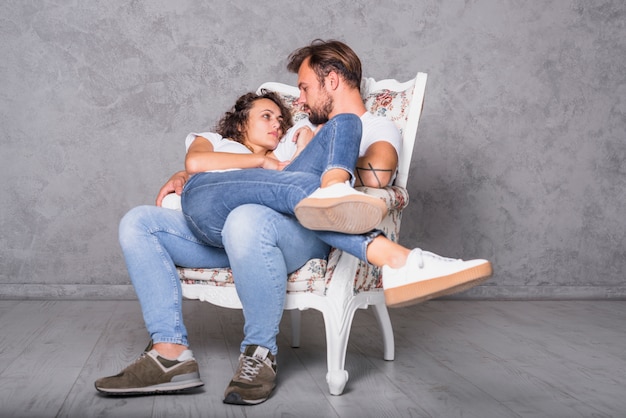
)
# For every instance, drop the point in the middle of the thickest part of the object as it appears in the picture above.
(396, 197)
(364, 276)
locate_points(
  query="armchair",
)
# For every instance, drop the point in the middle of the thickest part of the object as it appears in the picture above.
(339, 286)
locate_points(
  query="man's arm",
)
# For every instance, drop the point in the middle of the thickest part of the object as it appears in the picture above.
(174, 185)
(377, 166)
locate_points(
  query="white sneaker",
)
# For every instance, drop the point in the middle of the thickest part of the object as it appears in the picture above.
(426, 276)
(340, 208)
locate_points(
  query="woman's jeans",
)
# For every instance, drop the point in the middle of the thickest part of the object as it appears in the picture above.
(209, 197)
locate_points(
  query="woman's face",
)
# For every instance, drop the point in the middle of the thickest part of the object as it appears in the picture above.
(263, 129)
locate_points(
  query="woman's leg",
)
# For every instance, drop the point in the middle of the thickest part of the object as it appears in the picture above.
(208, 198)
(334, 147)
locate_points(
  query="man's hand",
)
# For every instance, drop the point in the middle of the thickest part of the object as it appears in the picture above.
(174, 185)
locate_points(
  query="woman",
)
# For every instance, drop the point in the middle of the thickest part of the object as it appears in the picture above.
(330, 157)
(246, 136)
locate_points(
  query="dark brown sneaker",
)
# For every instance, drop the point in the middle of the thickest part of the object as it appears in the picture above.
(255, 378)
(153, 374)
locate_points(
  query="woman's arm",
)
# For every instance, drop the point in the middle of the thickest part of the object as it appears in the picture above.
(201, 157)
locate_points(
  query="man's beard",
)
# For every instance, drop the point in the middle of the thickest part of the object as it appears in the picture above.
(319, 115)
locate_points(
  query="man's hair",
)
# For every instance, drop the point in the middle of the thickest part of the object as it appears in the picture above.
(327, 56)
(233, 123)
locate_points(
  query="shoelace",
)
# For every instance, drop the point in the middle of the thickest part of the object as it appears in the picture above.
(250, 368)
(142, 355)
(138, 359)
(146, 354)
(421, 253)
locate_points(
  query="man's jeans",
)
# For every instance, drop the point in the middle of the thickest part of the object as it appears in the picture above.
(263, 246)
(209, 197)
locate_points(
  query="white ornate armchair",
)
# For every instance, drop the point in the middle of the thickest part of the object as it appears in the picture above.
(342, 284)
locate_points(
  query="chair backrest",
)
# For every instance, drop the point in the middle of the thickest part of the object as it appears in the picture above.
(400, 102)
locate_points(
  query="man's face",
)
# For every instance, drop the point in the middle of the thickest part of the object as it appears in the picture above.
(315, 98)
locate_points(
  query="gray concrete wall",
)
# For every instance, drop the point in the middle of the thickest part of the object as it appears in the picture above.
(520, 153)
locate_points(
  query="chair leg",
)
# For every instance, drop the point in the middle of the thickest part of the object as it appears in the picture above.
(296, 320)
(382, 315)
(337, 335)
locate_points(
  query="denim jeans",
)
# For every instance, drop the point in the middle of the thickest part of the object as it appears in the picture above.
(263, 246)
(154, 241)
(209, 197)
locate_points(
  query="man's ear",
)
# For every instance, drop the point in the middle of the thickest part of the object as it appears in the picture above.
(332, 80)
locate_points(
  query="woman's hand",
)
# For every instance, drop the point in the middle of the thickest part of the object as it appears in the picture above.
(302, 137)
(174, 185)
(270, 163)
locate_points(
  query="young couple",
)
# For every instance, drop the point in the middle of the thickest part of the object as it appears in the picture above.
(251, 204)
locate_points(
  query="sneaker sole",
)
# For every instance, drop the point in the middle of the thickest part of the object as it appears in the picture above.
(235, 398)
(418, 292)
(152, 390)
(357, 216)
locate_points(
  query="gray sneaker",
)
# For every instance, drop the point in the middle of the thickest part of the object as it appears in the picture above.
(255, 378)
(153, 374)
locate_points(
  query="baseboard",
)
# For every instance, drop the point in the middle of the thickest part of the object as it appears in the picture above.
(124, 292)
(67, 291)
(543, 293)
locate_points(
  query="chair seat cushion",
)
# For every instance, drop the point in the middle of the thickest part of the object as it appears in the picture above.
(309, 278)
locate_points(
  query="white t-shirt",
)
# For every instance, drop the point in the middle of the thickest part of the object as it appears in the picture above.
(375, 128)
(220, 144)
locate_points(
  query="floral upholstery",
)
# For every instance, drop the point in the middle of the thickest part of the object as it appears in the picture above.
(297, 110)
(390, 104)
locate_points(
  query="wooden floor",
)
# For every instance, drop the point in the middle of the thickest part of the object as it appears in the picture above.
(453, 359)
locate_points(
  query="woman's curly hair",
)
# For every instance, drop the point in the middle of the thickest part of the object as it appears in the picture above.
(233, 123)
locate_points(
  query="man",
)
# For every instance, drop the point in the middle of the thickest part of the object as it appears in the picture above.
(261, 246)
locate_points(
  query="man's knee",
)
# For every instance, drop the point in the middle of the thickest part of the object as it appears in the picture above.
(131, 223)
(247, 220)
(247, 227)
